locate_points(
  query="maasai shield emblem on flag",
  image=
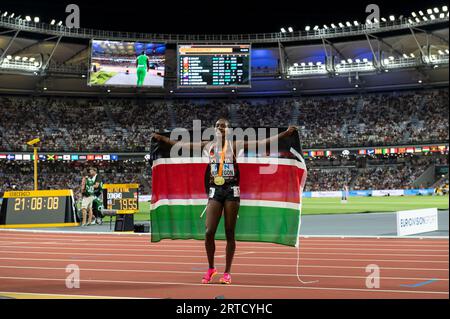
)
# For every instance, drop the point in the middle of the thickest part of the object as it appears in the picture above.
(270, 203)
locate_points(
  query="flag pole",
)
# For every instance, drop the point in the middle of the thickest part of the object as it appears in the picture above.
(33, 143)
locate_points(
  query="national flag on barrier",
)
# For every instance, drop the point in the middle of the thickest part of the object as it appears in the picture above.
(270, 203)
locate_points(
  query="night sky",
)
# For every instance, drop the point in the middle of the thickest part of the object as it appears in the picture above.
(208, 17)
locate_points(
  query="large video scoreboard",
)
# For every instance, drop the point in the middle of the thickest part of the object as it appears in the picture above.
(213, 66)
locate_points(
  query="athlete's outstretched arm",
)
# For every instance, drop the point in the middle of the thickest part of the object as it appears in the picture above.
(264, 142)
(165, 139)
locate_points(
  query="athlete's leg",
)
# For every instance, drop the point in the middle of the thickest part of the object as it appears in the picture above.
(84, 212)
(213, 214)
(231, 212)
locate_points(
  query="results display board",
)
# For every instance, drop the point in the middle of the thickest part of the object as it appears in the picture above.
(121, 197)
(213, 66)
(45, 208)
(133, 64)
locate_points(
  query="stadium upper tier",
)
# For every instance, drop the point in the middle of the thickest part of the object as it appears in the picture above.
(125, 125)
(394, 52)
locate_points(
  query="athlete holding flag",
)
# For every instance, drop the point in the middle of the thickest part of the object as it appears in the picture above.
(223, 186)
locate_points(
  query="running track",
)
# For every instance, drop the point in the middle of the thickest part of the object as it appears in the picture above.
(34, 264)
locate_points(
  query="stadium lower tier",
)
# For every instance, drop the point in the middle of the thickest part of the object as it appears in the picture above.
(324, 174)
(124, 125)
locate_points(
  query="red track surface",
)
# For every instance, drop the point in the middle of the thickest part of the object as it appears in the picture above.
(131, 266)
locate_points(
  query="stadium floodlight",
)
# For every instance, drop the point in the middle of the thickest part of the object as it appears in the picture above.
(303, 64)
(325, 27)
(296, 64)
(386, 61)
(36, 19)
(356, 85)
(375, 20)
(356, 23)
(436, 10)
(28, 18)
(441, 52)
(405, 55)
(358, 61)
(446, 51)
(386, 71)
(365, 60)
(429, 11)
(420, 81)
(349, 60)
(441, 15)
(45, 89)
(414, 14)
(417, 20)
(412, 55)
(310, 64)
(392, 18)
(283, 30)
(294, 89)
(333, 26)
(307, 28)
(421, 12)
(343, 62)
(410, 21)
(338, 65)
(24, 58)
(319, 63)
(12, 15)
(290, 29)
(432, 17)
(60, 23)
(53, 22)
(391, 58)
(383, 19)
(340, 25)
(17, 58)
(36, 63)
(32, 59)
(5, 14)
(316, 28)
(9, 57)
(348, 24)
(109, 90)
(445, 8)
(425, 18)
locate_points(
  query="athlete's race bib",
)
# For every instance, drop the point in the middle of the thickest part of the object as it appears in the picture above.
(236, 191)
(228, 170)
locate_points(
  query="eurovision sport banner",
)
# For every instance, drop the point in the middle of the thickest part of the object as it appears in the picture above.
(270, 203)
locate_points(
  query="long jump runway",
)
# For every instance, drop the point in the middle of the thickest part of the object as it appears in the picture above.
(33, 265)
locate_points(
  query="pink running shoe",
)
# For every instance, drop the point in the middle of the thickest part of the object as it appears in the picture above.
(208, 277)
(226, 279)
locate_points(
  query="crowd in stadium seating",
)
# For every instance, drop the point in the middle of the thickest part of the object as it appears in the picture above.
(379, 173)
(323, 174)
(81, 124)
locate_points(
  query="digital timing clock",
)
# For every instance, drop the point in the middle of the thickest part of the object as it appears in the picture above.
(44, 208)
(124, 198)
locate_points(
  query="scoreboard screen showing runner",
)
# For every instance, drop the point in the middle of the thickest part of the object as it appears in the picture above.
(213, 66)
(131, 64)
(121, 197)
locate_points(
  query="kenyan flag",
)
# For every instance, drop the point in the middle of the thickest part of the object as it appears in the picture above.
(270, 203)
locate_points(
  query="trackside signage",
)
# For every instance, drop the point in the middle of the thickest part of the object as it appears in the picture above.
(411, 222)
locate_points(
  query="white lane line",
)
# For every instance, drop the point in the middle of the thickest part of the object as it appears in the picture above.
(58, 296)
(223, 256)
(267, 251)
(202, 264)
(65, 232)
(199, 272)
(254, 247)
(168, 243)
(233, 286)
(239, 254)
